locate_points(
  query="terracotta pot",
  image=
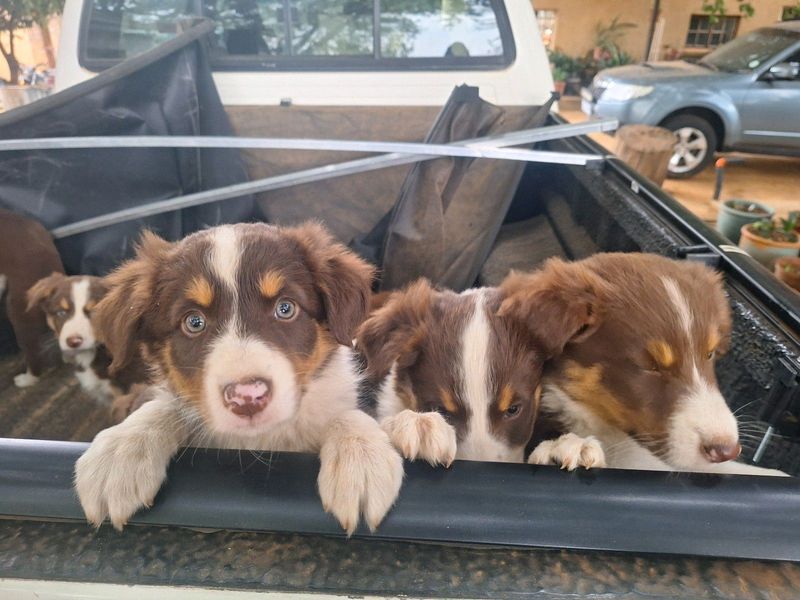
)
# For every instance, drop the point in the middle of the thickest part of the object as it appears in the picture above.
(766, 251)
(560, 86)
(787, 269)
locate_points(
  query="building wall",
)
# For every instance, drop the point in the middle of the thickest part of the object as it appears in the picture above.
(577, 19)
(28, 46)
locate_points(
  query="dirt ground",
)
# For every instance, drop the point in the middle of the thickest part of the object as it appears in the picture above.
(772, 180)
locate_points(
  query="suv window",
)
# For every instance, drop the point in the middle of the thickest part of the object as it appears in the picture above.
(432, 29)
(310, 34)
(119, 29)
(332, 28)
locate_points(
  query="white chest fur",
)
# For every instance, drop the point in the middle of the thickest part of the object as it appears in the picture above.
(99, 389)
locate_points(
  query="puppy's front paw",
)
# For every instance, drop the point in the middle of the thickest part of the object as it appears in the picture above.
(120, 473)
(360, 471)
(422, 435)
(24, 380)
(569, 452)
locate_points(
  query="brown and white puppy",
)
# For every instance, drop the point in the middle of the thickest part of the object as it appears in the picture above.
(458, 375)
(67, 303)
(640, 377)
(248, 328)
(27, 254)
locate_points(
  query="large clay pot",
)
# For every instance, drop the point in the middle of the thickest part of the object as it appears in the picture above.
(787, 269)
(766, 251)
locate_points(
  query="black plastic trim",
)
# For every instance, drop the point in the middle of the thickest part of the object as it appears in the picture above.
(333, 63)
(510, 505)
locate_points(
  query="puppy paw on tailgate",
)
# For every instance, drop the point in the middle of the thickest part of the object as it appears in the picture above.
(120, 473)
(569, 452)
(360, 471)
(422, 435)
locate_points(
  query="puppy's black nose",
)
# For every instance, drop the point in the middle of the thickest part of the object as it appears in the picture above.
(717, 453)
(74, 341)
(248, 397)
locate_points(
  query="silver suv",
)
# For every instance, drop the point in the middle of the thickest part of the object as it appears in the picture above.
(745, 95)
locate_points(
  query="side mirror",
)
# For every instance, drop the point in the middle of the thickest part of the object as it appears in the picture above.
(782, 71)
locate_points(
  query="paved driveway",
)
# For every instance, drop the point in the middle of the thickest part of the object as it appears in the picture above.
(773, 180)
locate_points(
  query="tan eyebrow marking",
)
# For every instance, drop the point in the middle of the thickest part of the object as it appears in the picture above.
(506, 397)
(90, 305)
(713, 340)
(271, 283)
(200, 292)
(64, 304)
(537, 394)
(661, 352)
(447, 401)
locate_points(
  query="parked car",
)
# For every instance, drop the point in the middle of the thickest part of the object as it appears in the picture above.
(742, 96)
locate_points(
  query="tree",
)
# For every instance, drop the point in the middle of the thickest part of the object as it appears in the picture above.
(21, 14)
(14, 15)
(41, 11)
(716, 9)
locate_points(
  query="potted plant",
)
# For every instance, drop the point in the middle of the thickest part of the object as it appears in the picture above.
(767, 241)
(564, 69)
(559, 80)
(787, 269)
(736, 212)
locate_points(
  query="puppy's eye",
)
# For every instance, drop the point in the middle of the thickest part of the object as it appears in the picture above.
(193, 324)
(61, 313)
(285, 309)
(441, 410)
(711, 355)
(512, 411)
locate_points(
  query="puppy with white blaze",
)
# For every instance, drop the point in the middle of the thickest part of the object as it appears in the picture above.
(639, 373)
(248, 331)
(459, 375)
(68, 303)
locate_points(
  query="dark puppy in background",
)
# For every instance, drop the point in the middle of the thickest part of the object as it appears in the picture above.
(459, 375)
(638, 373)
(27, 254)
(68, 304)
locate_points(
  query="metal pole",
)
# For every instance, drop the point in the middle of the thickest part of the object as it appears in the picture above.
(339, 170)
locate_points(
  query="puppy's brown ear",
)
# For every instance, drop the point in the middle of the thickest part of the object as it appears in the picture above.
(118, 316)
(43, 289)
(392, 332)
(342, 278)
(561, 303)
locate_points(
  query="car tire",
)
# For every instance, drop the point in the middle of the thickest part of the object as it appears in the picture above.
(695, 145)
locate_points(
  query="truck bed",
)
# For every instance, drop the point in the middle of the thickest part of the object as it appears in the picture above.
(565, 211)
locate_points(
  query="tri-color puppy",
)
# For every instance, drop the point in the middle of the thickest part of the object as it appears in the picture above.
(248, 329)
(638, 373)
(27, 254)
(67, 303)
(459, 375)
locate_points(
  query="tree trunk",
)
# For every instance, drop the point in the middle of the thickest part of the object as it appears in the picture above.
(646, 149)
(47, 40)
(11, 60)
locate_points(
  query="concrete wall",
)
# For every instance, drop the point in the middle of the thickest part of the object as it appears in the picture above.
(577, 19)
(28, 46)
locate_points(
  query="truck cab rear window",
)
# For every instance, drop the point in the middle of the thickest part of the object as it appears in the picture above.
(309, 34)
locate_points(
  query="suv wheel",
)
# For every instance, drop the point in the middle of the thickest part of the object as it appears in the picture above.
(696, 142)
